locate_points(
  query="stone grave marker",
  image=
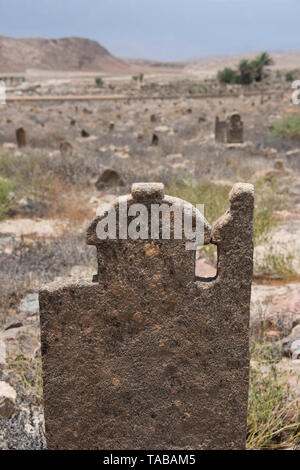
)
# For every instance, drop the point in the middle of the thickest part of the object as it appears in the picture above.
(235, 129)
(220, 130)
(147, 356)
(21, 137)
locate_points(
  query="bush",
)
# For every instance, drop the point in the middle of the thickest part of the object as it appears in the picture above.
(287, 126)
(248, 71)
(227, 75)
(289, 77)
(99, 82)
(258, 65)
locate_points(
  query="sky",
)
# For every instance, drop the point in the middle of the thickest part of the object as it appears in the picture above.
(160, 29)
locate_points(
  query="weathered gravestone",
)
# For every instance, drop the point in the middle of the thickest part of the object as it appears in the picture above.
(66, 148)
(109, 177)
(230, 131)
(21, 137)
(155, 139)
(235, 129)
(220, 130)
(147, 356)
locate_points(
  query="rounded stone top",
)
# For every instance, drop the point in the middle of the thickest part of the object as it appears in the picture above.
(148, 193)
(142, 191)
(240, 193)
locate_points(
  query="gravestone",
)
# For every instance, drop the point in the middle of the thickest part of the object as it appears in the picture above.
(21, 137)
(148, 356)
(108, 178)
(155, 139)
(220, 130)
(84, 133)
(235, 129)
(66, 148)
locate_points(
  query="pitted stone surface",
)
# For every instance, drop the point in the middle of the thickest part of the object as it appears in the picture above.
(141, 191)
(149, 357)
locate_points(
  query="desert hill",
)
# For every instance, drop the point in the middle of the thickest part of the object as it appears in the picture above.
(67, 54)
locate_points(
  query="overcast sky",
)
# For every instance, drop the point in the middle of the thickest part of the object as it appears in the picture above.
(160, 29)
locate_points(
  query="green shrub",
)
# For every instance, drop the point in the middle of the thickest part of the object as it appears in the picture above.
(99, 82)
(248, 71)
(292, 75)
(227, 75)
(258, 65)
(289, 76)
(287, 126)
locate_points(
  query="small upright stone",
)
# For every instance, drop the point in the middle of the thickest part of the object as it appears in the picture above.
(109, 177)
(220, 130)
(7, 400)
(66, 148)
(21, 137)
(155, 139)
(235, 129)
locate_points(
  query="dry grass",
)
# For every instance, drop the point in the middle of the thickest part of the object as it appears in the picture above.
(50, 183)
(273, 411)
(273, 414)
(275, 265)
(27, 372)
(288, 126)
(37, 262)
(215, 196)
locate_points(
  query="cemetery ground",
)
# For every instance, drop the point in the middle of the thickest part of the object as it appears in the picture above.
(51, 187)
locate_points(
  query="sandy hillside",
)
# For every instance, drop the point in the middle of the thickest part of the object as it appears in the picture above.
(68, 54)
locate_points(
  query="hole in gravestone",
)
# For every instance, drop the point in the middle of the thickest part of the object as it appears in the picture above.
(206, 263)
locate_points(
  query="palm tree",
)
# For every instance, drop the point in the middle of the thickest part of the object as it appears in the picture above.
(246, 72)
(263, 60)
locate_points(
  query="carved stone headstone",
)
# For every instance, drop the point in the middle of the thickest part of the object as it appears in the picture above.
(235, 129)
(220, 130)
(148, 356)
(230, 131)
(21, 137)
